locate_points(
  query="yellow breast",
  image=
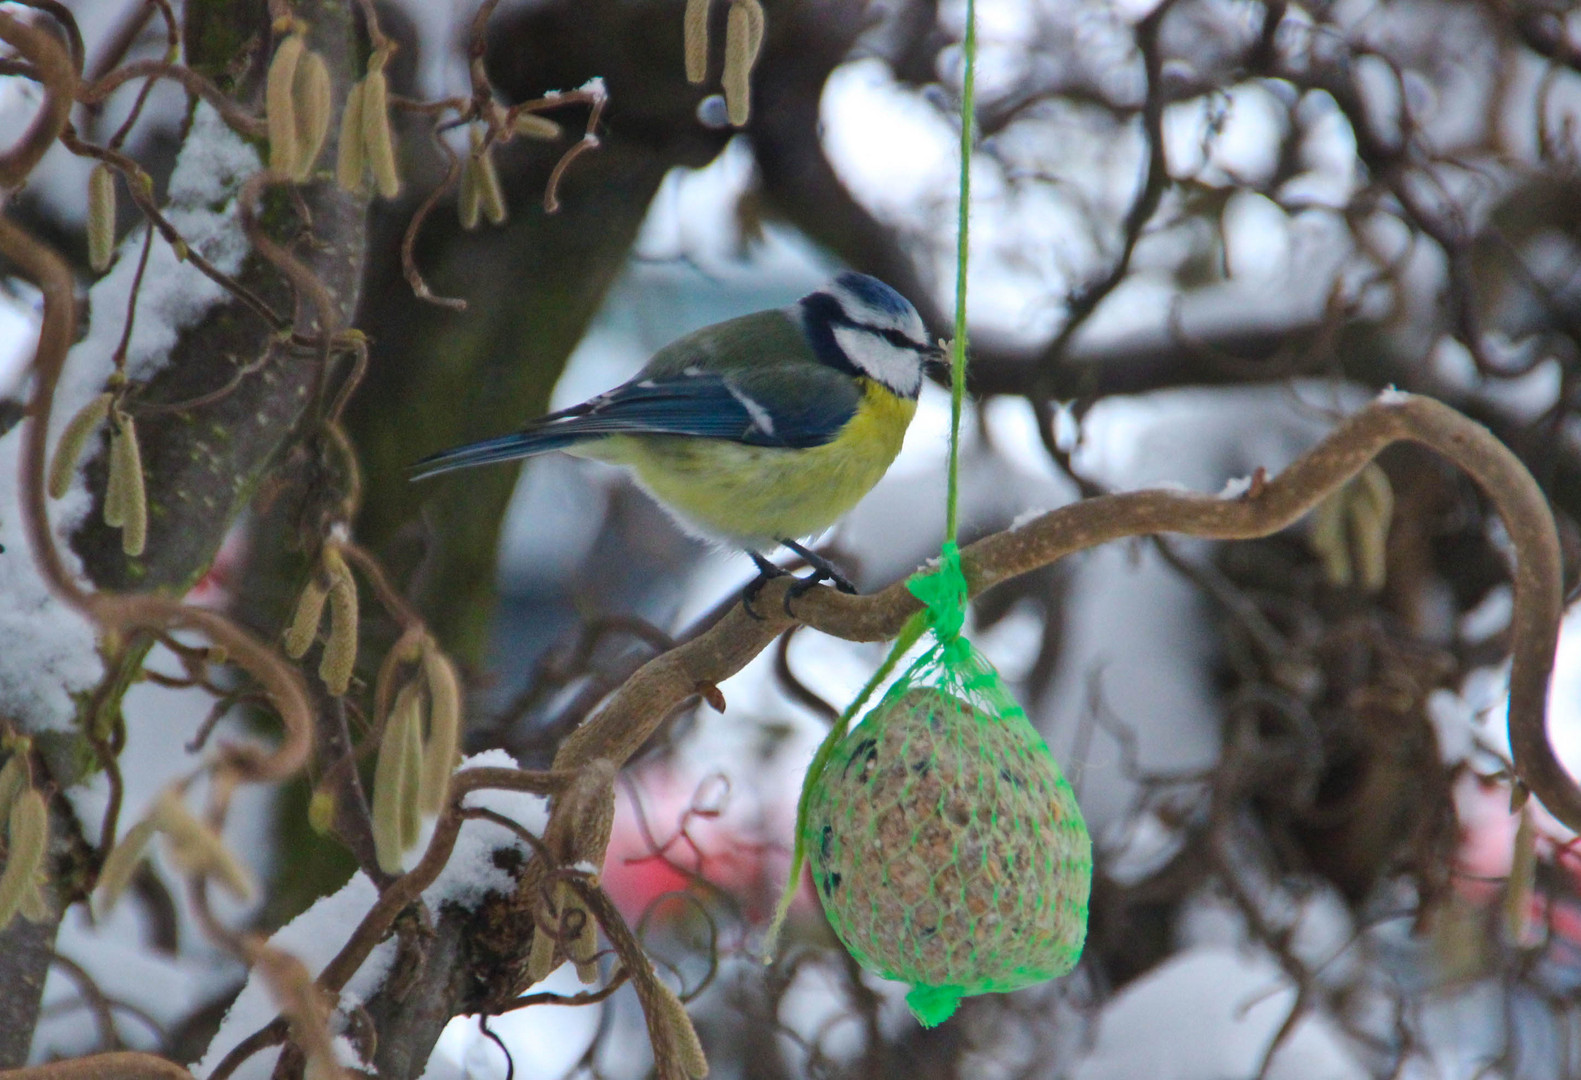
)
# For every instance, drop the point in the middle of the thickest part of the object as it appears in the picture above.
(755, 496)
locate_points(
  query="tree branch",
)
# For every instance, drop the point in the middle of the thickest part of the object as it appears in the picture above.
(637, 709)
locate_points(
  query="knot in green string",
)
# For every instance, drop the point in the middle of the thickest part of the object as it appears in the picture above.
(942, 591)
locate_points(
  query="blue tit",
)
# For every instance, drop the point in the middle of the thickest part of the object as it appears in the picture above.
(759, 430)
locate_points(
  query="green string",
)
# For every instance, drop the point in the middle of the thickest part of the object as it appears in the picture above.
(942, 590)
(962, 231)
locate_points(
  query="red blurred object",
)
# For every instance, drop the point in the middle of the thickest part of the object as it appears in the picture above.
(682, 835)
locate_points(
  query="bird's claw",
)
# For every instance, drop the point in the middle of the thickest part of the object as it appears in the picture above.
(767, 572)
(803, 585)
(822, 571)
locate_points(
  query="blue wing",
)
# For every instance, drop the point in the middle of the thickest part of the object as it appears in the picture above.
(701, 404)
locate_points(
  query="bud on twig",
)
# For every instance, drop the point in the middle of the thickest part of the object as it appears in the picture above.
(351, 158)
(198, 849)
(684, 1044)
(695, 29)
(340, 649)
(412, 774)
(1350, 531)
(1520, 930)
(13, 780)
(321, 811)
(532, 126)
(391, 776)
(467, 208)
(490, 196)
(27, 828)
(309, 613)
(377, 139)
(63, 466)
(1371, 514)
(444, 726)
(743, 38)
(121, 864)
(125, 498)
(280, 105)
(101, 217)
(312, 101)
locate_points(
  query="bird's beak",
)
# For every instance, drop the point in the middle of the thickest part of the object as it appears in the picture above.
(937, 365)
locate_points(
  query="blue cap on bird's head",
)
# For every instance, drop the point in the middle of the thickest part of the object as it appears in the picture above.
(860, 325)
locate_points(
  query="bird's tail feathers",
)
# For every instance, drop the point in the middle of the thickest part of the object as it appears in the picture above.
(518, 444)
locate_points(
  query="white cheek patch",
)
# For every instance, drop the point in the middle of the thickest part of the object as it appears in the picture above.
(899, 369)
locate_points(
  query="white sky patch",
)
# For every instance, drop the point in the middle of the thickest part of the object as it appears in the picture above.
(18, 335)
(1226, 138)
(871, 123)
(1564, 696)
(1197, 1033)
(1257, 239)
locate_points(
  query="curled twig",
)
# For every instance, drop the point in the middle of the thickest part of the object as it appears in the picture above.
(54, 69)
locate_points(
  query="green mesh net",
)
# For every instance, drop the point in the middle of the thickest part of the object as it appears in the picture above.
(945, 845)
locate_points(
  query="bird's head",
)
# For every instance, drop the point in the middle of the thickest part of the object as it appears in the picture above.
(863, 327)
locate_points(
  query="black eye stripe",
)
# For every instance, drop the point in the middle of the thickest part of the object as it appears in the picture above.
(898, 338)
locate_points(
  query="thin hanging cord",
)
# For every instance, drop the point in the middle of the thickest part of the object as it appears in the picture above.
(944, 604)
(958, 346)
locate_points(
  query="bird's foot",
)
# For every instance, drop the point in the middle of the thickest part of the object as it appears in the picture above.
(767, 572)
(822, 571)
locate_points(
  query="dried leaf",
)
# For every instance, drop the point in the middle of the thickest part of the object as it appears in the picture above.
(1520, 928)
